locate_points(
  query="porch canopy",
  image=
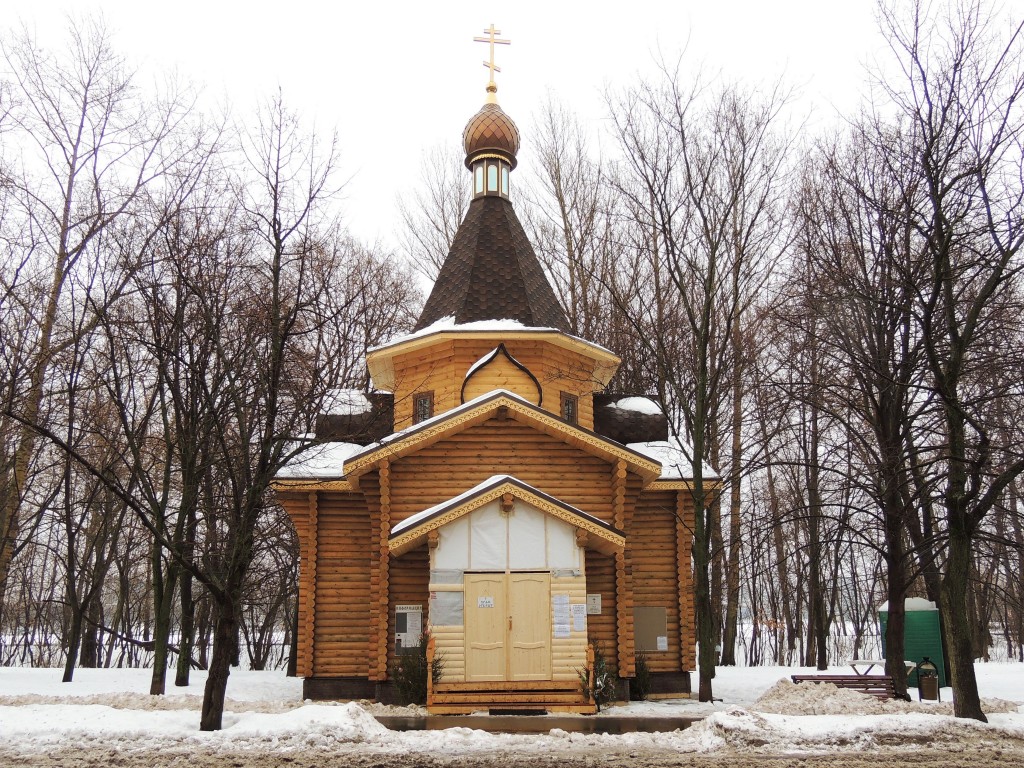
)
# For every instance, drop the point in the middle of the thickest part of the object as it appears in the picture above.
(591, 532)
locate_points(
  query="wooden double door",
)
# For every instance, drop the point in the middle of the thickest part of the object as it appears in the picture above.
(508, 626)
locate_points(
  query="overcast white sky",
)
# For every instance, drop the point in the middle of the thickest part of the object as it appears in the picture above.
(396, 78)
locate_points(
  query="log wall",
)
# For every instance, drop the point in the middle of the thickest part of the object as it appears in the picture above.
(442, 368)
(656, 570)
(343, 565)
(449, 467)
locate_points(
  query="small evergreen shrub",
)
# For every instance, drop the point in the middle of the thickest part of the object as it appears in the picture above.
(640, 686)
(603, 690)
(409, 671)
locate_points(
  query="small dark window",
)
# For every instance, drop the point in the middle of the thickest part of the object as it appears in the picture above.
(570, 408)
(422, 406)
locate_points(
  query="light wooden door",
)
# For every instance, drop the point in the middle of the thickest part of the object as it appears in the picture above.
(486, 627)
(508, 626)
(529, 599)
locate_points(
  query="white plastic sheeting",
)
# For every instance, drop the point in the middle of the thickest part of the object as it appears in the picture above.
(487, 540)
(488, 531)
(526, 538)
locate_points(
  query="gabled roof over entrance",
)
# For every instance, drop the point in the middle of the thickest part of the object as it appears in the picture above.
(412, 532)
(500, 403)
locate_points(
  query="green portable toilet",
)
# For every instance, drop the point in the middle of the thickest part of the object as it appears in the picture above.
(921, 635)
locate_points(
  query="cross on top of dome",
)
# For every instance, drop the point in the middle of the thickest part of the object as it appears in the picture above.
(492, 87)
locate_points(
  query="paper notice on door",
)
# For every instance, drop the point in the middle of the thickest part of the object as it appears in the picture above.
(579, 617)
(662, 643)
(560, 609)
(485, 602)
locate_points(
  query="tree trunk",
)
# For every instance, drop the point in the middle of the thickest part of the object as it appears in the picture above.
(187, 629)
(74, 641)
(957, 630)
(293, 649)
(732, 574)
(225, 643)
(89, 656)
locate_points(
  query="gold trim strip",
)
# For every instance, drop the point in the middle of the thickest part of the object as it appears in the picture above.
(408, 539)
(535, 415)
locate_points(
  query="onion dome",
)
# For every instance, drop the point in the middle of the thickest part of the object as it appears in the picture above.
(491, 133)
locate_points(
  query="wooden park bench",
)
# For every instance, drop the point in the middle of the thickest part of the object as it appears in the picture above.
(879, 686)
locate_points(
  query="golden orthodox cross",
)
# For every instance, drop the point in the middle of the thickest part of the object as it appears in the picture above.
(492, 40)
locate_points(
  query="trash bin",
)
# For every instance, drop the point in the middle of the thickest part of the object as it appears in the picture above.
(927, 680)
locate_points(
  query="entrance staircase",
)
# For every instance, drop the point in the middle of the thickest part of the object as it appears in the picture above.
(508, 697)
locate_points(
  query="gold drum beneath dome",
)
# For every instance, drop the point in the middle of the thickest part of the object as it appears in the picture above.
(491, 131)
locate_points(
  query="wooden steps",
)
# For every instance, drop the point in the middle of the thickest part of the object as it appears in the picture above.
(531, 696)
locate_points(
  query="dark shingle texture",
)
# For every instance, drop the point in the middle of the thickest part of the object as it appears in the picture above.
(626, 426)
(363, 428)
(492, 273)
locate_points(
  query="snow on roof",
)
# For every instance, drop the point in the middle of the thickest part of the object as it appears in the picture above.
(643, 405)
(448, 324)
(912, 604)
(319, 461)
(416, 519)
(491, 482)
(675, 458)
(507, 324)
(346, 402)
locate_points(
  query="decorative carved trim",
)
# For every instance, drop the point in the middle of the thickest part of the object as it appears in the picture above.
(417, 436)
(408, 539)
(683, 485)
(491, 356)
(309, 627)
(384, 473)
(311, 485)
(684, 542)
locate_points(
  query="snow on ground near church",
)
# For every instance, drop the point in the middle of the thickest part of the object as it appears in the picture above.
(762, 713)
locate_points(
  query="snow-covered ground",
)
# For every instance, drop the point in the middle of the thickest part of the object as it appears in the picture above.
(761, 712)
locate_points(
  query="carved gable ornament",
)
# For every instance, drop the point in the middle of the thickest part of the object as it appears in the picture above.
(499, 370)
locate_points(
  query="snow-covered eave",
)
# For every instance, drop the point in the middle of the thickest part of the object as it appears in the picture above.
(675, 458)
(442, 424)
(379, 360)
(318, 464)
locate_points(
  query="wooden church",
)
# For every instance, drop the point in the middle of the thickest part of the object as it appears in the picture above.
(487, 498)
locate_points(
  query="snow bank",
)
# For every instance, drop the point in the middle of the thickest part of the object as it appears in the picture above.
(789, 698)
(109, 710)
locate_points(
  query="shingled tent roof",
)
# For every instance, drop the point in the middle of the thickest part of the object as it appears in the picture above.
(492, 273)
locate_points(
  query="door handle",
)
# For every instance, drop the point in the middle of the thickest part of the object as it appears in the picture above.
(509, 623)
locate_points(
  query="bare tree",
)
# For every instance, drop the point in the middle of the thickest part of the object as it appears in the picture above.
(92, 150)
(958, 102)
(701, 178)
(432, 212)
(858, 300)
